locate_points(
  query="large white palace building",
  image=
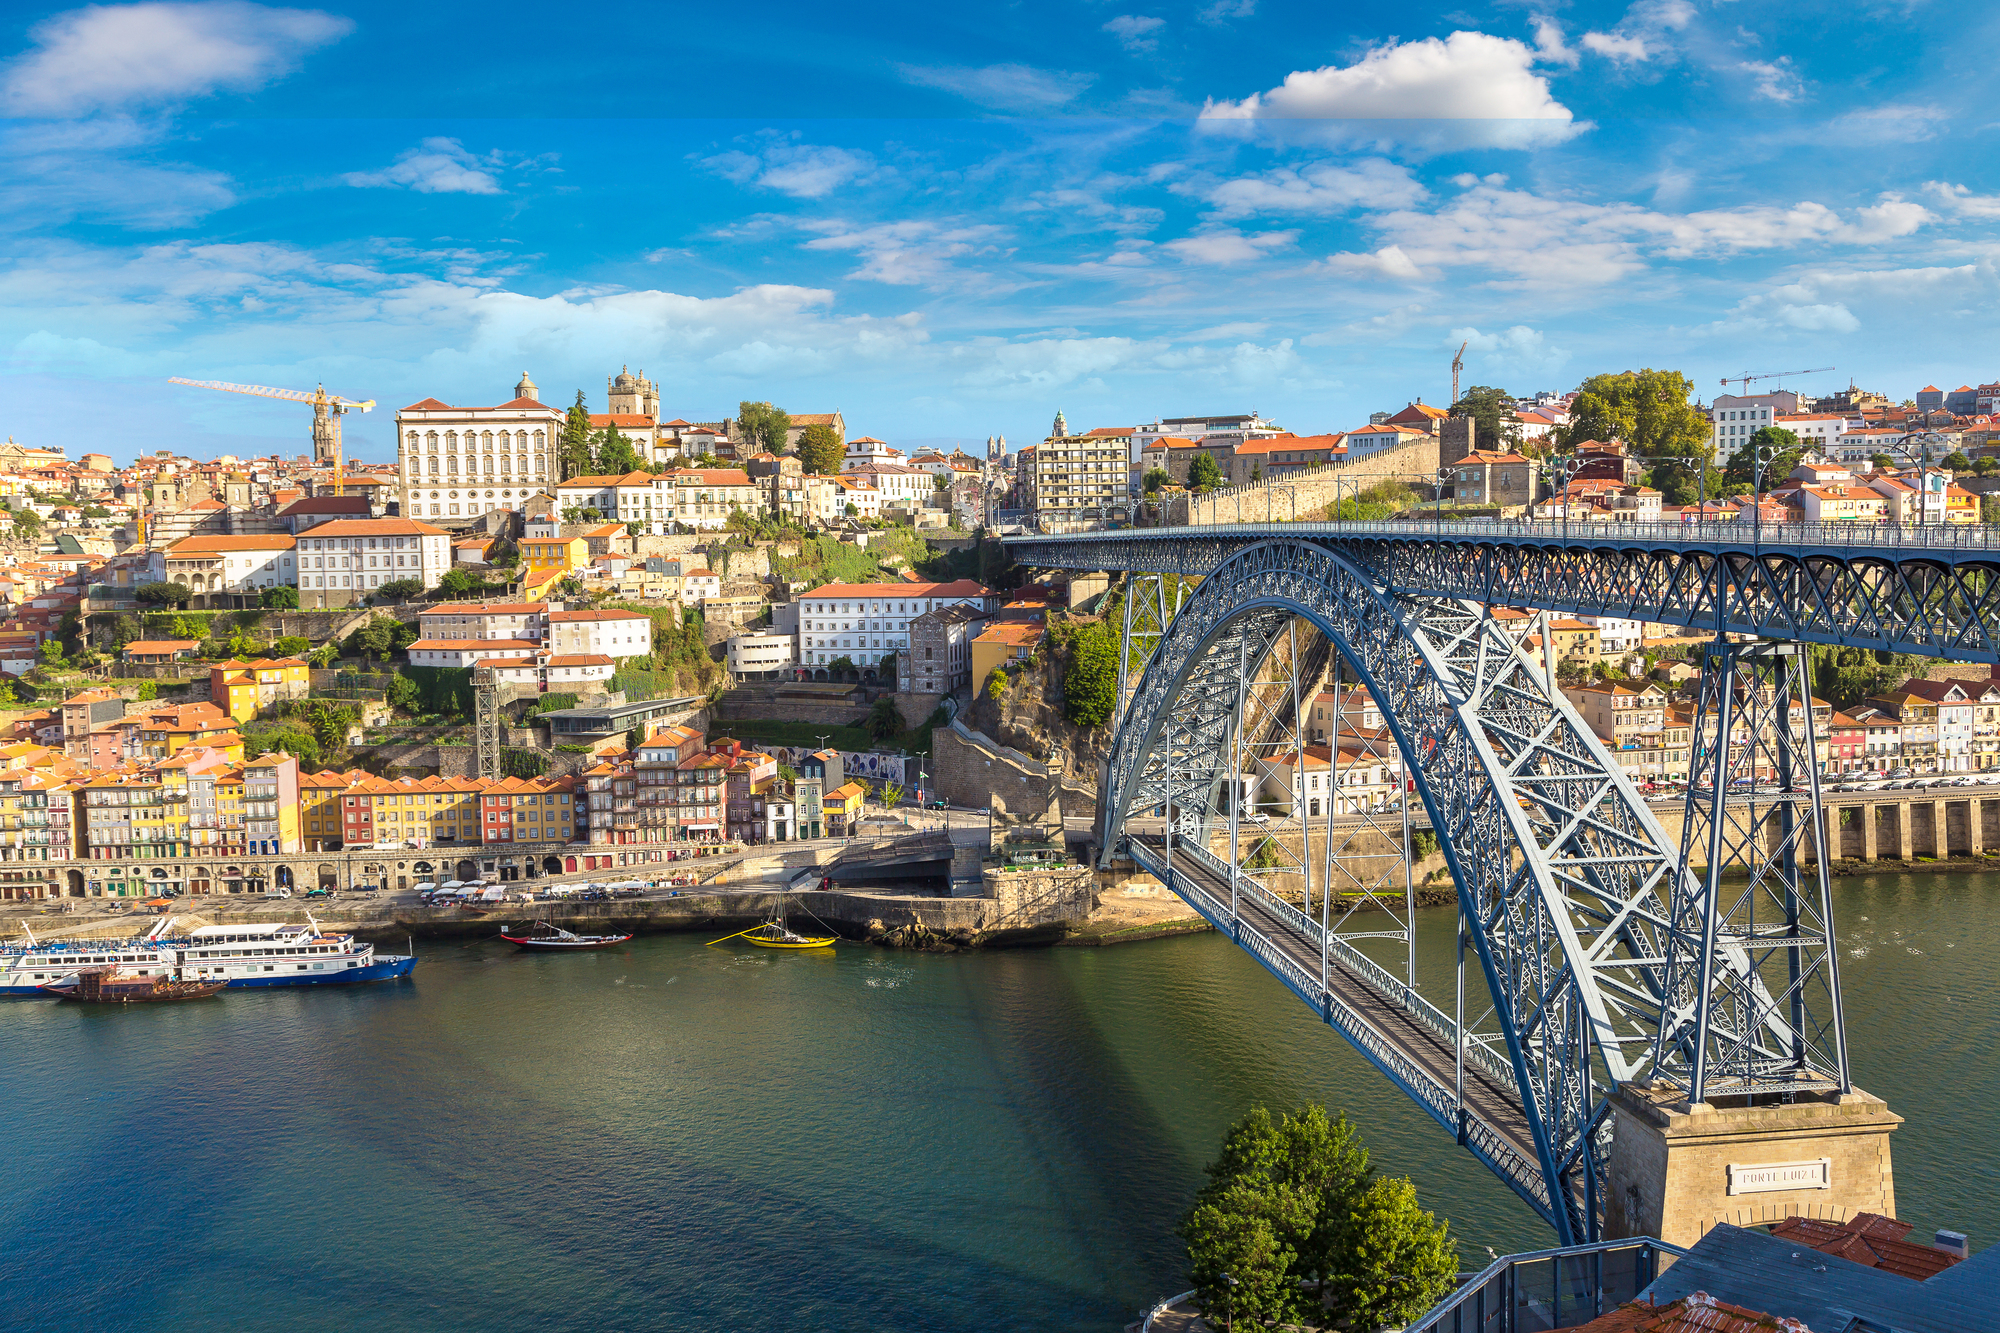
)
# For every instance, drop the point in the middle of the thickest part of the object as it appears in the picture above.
(458, 462)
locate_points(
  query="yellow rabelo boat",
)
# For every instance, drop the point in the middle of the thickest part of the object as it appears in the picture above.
(775, 934)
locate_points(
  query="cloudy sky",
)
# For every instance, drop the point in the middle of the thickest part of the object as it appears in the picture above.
(949, 224)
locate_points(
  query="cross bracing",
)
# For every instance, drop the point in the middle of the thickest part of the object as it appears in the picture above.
(1579, 914)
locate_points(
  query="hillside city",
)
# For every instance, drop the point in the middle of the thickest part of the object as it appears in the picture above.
(764, 628)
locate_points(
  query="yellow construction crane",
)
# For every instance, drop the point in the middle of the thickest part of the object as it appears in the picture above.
(327, 408)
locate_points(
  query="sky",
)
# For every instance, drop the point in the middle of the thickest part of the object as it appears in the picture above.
(947, 225)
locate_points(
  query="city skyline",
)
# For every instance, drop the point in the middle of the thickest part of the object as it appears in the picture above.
(1229, 207)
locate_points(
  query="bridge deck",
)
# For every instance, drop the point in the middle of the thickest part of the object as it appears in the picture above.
(1382, 1020)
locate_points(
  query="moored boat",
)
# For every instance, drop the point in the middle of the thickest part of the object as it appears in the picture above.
(776, 934)
(547, 935)
(109, 985)
(240, 956)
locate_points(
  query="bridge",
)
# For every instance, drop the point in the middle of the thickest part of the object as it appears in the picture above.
(1602, 953)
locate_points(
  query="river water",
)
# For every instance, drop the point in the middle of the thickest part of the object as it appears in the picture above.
(673, 1136)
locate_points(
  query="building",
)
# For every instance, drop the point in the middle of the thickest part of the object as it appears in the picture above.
(245, 689)
(762, 655)
(1002, 644)
(241, 565)
(1078, 478)
(154, 652)
(271, 805)
(525, 621)
(867, 622)
(1956, 702)
(608, 633)
(1491, 477)
(344, 561)
(468, 652)
(547, 671)
(702, 499)
(460, 462)
(940, 659)
(841, 808)
(625, 498)
(543, 555)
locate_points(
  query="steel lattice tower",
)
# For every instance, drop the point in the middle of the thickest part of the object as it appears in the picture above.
(486, 720)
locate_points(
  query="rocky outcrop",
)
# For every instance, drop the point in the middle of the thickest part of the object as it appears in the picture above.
(1029, 718)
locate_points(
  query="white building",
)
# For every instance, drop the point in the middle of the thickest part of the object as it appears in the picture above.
(626, 498)
(486, 620)
(697, 585)
(610, 633)
(551, 671)
(356, 555)
(757, 654)
(894, 481)
(243, 564)
(456, 462)
(1818, 431)
(704, 498)
(866, 449)
(865, 622)
(1736, 417)
(468, 652)
(829, 499)
(1615, 636)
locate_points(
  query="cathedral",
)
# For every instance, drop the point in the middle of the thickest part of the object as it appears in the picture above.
(632, 395)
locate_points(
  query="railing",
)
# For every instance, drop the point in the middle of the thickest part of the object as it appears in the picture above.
(1967, 536)
(1548, 1289)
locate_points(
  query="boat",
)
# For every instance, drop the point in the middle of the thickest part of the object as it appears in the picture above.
(775, 934)
(548, 935)
(265, 953)
(109, 985)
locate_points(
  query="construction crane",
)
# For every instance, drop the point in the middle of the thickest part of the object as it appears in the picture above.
(327, 408)
(1745, 380)
(1457, 364)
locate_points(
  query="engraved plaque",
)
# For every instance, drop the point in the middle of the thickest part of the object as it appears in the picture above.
(1763, 1177)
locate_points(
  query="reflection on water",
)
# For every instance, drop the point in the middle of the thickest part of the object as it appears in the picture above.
(667, 1134)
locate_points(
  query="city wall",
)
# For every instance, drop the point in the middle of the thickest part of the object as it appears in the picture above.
(1305, 495)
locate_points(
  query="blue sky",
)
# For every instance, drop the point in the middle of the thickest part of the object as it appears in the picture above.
(948, 223)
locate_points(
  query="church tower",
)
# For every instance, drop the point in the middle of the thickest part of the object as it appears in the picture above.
(1061, 428)
(632, 395)
(526, 388)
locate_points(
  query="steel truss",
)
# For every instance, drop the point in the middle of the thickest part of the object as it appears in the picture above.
(1565, 880)
(1769, 1019)
(1941, 600)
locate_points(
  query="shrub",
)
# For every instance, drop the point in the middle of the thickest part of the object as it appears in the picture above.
(996, 683)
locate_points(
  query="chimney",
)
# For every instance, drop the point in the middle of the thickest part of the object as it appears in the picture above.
(1953, 1242)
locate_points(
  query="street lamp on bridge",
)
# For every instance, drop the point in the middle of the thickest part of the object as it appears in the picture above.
(1558, 470)
(1920, 447)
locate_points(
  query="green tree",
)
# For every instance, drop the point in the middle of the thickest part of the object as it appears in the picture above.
(1090, 688)
(1955, 461)
(821, 450)
(1156, 478)
(573, 453)
(292, 645)
(148, 689)
(400, 590)
(402, 693)
(457, 582)
(1880, 461)
(1787, 449)
(1203, 474)
(1985, 465)
(1651, 410)
(1492, 413)
(883, 719)
(764, 425)
(996, 684)
(285, 599)
(613, 454)
(1989, 509)
(125, 629)
(1391, 1261)
(634, 738)
(52, 653)
(890, 794)
(162, 594)
(26, 521)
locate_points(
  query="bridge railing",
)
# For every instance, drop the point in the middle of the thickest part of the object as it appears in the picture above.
(1946, 536)
(1548, 1289)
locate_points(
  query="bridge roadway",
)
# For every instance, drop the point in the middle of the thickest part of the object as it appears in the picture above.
(1933, 590)
(1397, 1031)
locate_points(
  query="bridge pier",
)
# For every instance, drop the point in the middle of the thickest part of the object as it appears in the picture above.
(1869, 843)
(1678, 1170)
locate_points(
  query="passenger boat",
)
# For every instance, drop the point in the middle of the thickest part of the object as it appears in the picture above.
(108, 985)
(238, 956)
(548, 935)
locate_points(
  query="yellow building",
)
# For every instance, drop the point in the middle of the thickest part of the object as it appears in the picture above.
(319, 808)
(842, 807)
(243, 689)
(1002, 644)
(539, 554)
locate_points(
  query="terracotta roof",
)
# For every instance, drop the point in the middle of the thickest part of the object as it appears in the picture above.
(957, 588)
(636, 420)
(375, 527)
(162, 645)
(572, 617)
(1015, 632)
(488, 609)
(522, 402)
(598, 482)
(274, 542)
(496, 645)
(428, 405)
(1696, 1313)
(1868, 1239)
(710, 476)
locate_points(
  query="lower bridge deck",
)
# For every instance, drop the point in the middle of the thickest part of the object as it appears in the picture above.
(1399, 1033)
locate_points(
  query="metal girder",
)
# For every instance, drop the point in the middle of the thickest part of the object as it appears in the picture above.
(1563, 874)
(1936, 594)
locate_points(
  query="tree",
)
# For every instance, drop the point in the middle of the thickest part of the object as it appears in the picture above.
(1985, 465)
(573, 455)
(399, 590)
(767, 426)
(634, 738)
(26, 521)
(282, 599)
(1492, 414)
(162, 594)
(883, 719)
(52, 653)
(1391, 1260)
(402, 693)
(1090, 688)
(1156, 478)
(457, 582)
(891, 795)
(613, 454)
(1787, 449)
(148, 689)
(1203, 473)
(996, 684)
(820, 450)
(1648, 409)
(1955, 461)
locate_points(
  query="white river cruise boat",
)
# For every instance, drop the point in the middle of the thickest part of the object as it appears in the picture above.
(263, 954)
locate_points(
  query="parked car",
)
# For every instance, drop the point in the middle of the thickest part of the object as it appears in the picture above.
(326, 893)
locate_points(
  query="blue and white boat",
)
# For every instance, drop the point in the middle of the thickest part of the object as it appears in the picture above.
(241, 956)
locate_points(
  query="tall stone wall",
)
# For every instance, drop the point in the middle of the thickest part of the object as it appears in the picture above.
(1306, 495)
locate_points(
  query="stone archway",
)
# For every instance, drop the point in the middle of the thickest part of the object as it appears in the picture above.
(468, 870)
(75, 878)
(285, 878)
(328, 876)
(552, 865)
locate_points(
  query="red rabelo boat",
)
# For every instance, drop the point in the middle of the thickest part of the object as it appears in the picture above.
(547, 935)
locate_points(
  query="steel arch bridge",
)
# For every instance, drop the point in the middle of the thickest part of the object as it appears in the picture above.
(1606, 957)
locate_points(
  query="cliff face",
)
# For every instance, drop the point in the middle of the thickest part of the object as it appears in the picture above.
(1029, 718)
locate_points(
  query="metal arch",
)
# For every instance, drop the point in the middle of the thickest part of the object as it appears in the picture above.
(1563, 873)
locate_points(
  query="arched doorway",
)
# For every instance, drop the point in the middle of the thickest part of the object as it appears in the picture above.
(285, 878)
(468, 870)
(569, 865)
(75, 878)
(552, 864)
(329, 878)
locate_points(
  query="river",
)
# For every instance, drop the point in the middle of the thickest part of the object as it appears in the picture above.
(673, 1136)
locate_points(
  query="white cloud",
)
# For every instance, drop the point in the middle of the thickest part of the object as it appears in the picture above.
(1388, 262)
(1002, 87)
(1221, 11)
(1319, 188)
(109, 57)
(1961, 200)
(1643, 34)
(1227, 245)
(1518, 350)
(1834, 318)
(436, 166)
(916, 253)
(1549, 43)
(1468, 89)
(1874, 127)
(1775, 80)
(60, 171)
(1614, 47)
(1137, 33)
(801, 170)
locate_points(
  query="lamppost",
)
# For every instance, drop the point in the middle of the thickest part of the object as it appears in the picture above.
(1229, 1318)
(1765, 454)
(1918, 447)
(1444, 475)
(1557, 470)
